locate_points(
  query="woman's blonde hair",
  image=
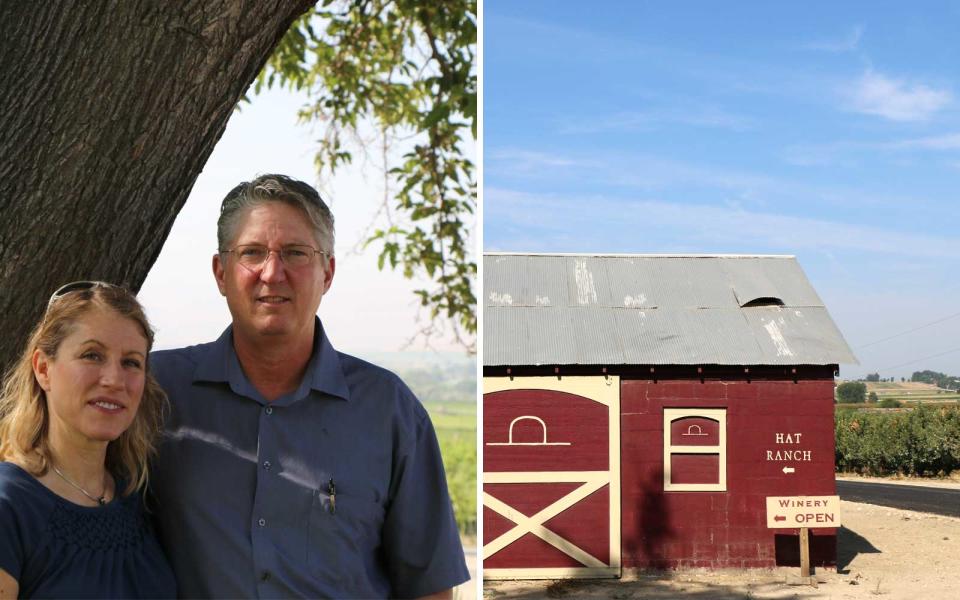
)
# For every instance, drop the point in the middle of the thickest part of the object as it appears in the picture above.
(25, 417)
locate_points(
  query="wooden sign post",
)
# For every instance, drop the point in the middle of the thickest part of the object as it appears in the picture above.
(804, 552)
(803, 512)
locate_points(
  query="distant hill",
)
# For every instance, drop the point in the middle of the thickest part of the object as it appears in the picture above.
(935, 377)
(433, 376)
(901, 387)
(911, 391)
(398, 361)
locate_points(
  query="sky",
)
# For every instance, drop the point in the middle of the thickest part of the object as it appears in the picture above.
(366, 312)
(825, 130)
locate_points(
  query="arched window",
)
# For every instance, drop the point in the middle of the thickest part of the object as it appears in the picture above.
(694, 449)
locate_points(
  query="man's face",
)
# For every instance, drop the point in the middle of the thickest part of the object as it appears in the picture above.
(273, 299)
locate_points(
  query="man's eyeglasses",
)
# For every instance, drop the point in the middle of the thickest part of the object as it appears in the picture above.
(253, 256)
(76, 286)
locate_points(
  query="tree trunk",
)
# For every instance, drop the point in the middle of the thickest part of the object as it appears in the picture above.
(108, 112)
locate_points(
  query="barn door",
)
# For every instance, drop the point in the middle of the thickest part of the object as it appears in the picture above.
(551, 477)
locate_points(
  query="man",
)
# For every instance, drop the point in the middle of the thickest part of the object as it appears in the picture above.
(287, 468)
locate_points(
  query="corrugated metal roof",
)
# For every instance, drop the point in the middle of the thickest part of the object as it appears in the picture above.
(569, 309)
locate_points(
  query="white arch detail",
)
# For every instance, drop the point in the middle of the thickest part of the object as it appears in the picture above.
(543, 425)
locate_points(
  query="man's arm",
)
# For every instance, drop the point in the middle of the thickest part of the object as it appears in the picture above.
(9, 587)
(444, 595)
(420, 537)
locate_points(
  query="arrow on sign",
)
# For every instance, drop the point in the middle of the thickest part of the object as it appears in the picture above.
(789, 470)
(779, 518)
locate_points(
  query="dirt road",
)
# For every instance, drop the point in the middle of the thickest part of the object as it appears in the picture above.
(882, 552)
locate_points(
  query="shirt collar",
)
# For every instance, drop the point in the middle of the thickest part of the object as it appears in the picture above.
(324, 372)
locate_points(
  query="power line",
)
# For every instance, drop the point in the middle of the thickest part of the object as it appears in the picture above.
(896, 335)
(919, 360)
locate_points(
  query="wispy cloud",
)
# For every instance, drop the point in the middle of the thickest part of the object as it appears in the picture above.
(830, 154)
(876, 94)
(646, 174)
(847, 43)
(949, 141)
(516, 160)
(702, 227)
(691, 116)
(637, 171)
(848, 152)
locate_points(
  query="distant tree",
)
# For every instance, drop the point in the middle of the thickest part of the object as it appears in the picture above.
(872, 397)
(903, 380)
(851, 392)
(927, 376)
(873, 377)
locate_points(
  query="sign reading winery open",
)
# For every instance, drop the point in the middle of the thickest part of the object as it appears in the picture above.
(790, 512)
(640, 410)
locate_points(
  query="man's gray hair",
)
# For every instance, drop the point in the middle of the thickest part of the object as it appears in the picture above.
(275, 188)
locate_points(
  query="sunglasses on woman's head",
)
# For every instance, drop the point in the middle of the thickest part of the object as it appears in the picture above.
(76, 286)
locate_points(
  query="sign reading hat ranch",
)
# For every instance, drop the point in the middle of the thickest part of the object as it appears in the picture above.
(787, 449)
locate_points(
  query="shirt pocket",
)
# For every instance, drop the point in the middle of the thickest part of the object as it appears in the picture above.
(344, 535)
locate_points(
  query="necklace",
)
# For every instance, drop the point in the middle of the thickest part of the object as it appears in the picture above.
(101, 500)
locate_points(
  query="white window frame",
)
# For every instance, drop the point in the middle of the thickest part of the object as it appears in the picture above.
(669, 448)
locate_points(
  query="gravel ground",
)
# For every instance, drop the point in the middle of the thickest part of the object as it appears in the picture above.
(882, 552)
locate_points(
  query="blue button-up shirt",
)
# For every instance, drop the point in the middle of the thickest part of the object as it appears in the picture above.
(334, 490)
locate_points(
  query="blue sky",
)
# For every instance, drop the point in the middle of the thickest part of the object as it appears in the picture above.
(830, 131)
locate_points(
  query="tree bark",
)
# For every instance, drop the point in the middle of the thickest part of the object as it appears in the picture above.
(108, 112)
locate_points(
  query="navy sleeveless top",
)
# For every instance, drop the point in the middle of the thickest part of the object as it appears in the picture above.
(57, 549)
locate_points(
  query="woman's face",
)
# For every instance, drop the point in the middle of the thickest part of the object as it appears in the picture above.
(95, 383)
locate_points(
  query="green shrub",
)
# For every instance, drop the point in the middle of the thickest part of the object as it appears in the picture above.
(923, 441)
(890, 403)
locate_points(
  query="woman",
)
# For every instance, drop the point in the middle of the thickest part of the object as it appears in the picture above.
(78, 416)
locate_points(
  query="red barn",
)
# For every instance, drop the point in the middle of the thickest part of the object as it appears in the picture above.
(639, 409)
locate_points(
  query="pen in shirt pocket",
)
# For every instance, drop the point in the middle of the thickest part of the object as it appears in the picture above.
(332, 491)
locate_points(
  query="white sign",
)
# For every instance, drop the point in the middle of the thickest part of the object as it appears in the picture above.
(791, 453)
(790, 512)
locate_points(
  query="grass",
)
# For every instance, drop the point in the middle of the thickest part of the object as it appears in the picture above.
(466, 423)
(911, 391)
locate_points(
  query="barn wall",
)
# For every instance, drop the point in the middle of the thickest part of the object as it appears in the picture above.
(725, 529)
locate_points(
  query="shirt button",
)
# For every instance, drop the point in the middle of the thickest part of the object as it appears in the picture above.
(269, 410)
(266, 465)
(265, 576)
(262, 522)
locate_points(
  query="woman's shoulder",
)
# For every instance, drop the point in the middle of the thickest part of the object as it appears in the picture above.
(20, 491)
(25, 506)
(15, 480)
